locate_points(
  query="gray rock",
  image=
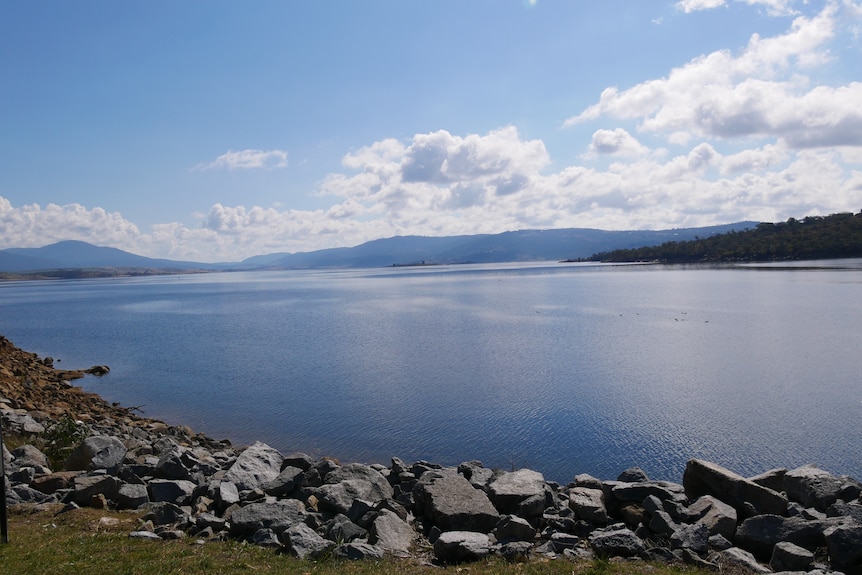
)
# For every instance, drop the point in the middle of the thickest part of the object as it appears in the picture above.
(513, 528)
(144, 535)
(288, 479)
(812, 487)
(86, 486)
(739, 558)
(562, 541)
(300, 460)
(759, 534)
(772, 479)
(719, 517)
(510, 491)
(20, 423)
(97, 452)
(451, 503)
(227, 493)
(357, 551)
(214, 522)
(26, 456)
(633, 475)
(304, 542)
(789, 557)
(341, 528)
(254, 467)
(515, 550)
(132, 496)
(844, 542)
(588, 504)
(165, 514)
(588, 481)
(694, 537)
(719, 542)
(458, 546)
(172, 464)
(277, 516)
(661, 523)
(265, 538)
(841, 509)
(177, 491)
(616, 543)
(748, 498)
(392, 534)
(637, 492)
(349, 482)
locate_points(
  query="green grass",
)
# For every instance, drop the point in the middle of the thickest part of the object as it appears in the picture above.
(81, 542)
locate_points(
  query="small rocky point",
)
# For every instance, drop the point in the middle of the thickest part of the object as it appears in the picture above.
(186, 485)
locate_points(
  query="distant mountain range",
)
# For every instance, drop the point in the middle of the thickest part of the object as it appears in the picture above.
(525, 245)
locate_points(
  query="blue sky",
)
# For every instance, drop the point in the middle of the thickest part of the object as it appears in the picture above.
(215, 130)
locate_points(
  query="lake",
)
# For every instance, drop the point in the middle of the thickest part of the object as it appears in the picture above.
(562, 368)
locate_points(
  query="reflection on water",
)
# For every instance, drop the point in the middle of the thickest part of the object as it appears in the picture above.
(563, 368)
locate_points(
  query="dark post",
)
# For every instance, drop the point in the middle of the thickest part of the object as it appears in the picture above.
(4, 531)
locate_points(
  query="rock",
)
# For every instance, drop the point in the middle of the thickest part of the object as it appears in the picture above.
(98, 370)
(458, 546)
(350, 482)
(132, 496)
(510, 491)
(451, 503)
(265, 538)
(739, 558)
(165, 514)
(298, 460)
(304, 542)
(54, 482)
(86, 486)
(515, 550)
(227, 493)
(637, 492)
(562, 541)
(661, 523)
(616, 543)
(277, 516)
(718, 517)
(844, 542)
(20, 423)
(288, 479)
(176, 491)
(254, 467)
(759, 534)
(812, 487)
(772, 479)
(748, 498)
(694, 537)
(357, 551)
(513, 528)
(341, 528)
(789, 557)
(588, 504)
(841, 509)
(392, 534)
(27, 456)
(144, 535)
(172, 464)
(633, 475)
(97, 452)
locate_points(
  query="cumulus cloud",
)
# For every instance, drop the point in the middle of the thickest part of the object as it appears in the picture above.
(773, 7)
(759, 93)
(688, 6)
(246, 160)
(616, 142)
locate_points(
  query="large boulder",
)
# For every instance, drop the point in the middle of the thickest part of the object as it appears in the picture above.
(759, 534)
(452, 504)
(718, 517)
(86, 486)
(97, 452)
(844, 542)
(748, 498)
(618, 542)
(278, 516)
(304, 542)
(588, 504)
(177, 491)
(812, 487)
(350, 482)
(392, 533)
(27, 456)
(519, 492)
(255, 466)
(457, 546)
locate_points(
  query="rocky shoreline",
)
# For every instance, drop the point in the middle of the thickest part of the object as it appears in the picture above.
(74, 449)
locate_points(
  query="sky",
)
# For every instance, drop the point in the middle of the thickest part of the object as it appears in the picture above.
(214, 130)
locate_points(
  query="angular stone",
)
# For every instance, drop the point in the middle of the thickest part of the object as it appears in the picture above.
(844, 542)
(300, 460)
(510, 490)
(739, 558)
(562, 541)
(227, 493)
(55, 481)
(841, 509)
(265, 538)
(144, 535)
(350, 482)
(172, 464)
(588, 504)
(759, 534)
(86, 486)
(288, 479)
(341, 528)
(633, 475)
(458, 546)
(616, 543)
(392, 534)
(27, 456)
(661, 523)
(277, 516)
(357, 551)
(748, 498)
(637, 492)
(789, 557)
(719, 517)
(588, 481)
(97, 452)
(812, 487)
(177, 491)
(772, 479)
(694, 537)
(452, 504)
(513, 528)
(165, 514)
(132, 496)
(254, 467)
(304, 542)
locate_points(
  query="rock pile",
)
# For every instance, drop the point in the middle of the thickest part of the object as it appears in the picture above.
(187, 485)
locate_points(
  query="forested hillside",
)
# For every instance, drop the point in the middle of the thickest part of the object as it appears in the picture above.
(814, 237)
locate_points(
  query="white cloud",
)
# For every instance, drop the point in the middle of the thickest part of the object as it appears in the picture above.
(773, 7)
(616, 142)
(688, 6)
(246, 160)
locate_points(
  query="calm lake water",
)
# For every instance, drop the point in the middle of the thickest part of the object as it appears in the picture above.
(564, 369)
